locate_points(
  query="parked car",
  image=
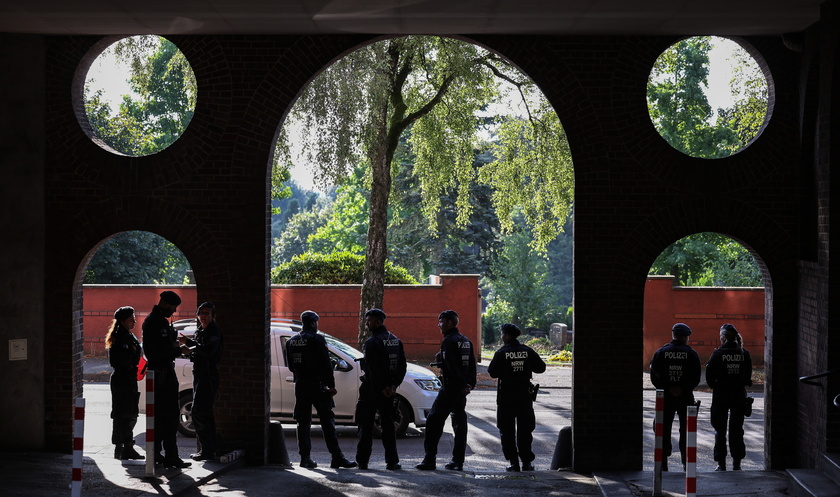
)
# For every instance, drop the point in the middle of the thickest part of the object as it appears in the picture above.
(416, 393)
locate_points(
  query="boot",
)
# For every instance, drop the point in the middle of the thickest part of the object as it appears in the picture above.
(128, 452)
(736, 465)
(514, 466)
(341, 462)
(118, 451)
(306, 462)
(428, 464)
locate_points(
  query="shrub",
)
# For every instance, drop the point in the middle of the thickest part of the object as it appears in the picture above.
(338, 268)
(540, 345)
(562, 356)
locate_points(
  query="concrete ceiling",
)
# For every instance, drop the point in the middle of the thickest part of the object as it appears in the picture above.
(562, 17)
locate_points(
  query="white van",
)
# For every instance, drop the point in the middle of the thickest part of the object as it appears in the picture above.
(416, 393)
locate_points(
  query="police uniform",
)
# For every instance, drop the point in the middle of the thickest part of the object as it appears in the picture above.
(160, 344)
(728, 373)
(206, 351)
(309, 361)
(458, 372)
(513, 365)
(384, 365)
(675, 368)
(123, 355)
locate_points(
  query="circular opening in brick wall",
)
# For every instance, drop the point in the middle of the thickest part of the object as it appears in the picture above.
(139, 96)
(707, 97)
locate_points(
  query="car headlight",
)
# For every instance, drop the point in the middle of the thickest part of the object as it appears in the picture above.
(431, 384)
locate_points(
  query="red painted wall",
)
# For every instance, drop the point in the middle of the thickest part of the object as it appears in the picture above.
(704, 309)
(412, 310)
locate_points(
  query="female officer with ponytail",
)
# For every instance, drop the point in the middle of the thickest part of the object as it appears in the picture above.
(728, 373)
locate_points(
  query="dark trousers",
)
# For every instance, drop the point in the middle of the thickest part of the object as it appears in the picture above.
(674, 406)
(371, 402)
(308, 396)
(205, 386)
(446, 404)
(728, 405)
(124, 407)
(167, 412)
(516, 422)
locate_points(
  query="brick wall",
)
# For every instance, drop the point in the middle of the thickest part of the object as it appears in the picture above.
(635, 195)
(412, 310)
(704, 309)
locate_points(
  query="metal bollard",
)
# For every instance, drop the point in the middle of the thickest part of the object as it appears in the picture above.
(78, 447)
(691, 452)
(150, 423)
(657, 452)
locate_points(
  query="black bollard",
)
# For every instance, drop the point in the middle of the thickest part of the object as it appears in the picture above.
(277, 453)
(562, 457)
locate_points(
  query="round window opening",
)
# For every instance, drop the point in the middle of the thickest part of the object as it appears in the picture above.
(139, 95)
(707, 97)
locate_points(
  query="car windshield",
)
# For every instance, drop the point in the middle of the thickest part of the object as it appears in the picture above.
(338, 344)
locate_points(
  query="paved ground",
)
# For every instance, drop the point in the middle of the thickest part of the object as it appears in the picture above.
(48, 474)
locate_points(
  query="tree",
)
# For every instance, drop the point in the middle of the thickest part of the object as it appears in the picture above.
(708, 259)
(295, 238)
(165, 87)
(137, 258)
(520, 288)
(680, 109)
(360, 106)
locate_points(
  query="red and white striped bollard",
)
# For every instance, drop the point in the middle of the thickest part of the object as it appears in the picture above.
(657, 453)
(691, 452)
(150, 422)
(78, 446)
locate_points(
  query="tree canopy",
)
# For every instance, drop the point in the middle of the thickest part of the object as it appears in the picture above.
(680, 109)
(357, 110)
(162, 106)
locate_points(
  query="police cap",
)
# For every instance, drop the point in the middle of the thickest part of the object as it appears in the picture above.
(309, 316)
(377, 313)
(170, 297)
(681, 329)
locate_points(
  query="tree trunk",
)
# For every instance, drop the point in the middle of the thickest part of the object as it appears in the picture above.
(373, 284)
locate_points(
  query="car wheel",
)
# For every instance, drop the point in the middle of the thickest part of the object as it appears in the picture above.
(185, 424)
(401, 420)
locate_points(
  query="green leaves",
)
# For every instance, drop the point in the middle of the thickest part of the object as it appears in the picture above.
(680, 110)
(338, 268)
(162, 106)
(709, 259)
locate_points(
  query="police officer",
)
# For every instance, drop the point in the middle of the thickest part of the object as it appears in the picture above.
(675, 368)
(457, 363)
(205, 350)
(512, 365)
(123, 354)
(728, 373)
(160, 344)
(309, 360)
(384, 366)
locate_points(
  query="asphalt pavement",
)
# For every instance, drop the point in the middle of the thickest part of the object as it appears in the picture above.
(28, 473)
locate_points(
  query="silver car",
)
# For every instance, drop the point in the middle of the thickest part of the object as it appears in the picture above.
(416, 393)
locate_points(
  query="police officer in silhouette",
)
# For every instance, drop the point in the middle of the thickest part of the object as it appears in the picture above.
(384, 366)
(309, 360)
(675, 368)
(160, 344)
(457, 364)
(513, 365)
(728, 373)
